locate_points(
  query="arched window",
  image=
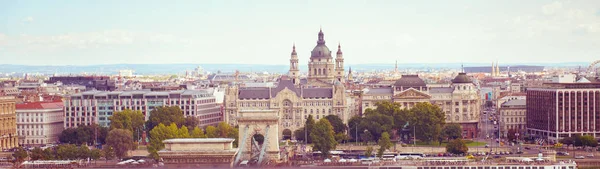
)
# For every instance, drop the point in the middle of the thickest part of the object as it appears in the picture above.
(456, 118)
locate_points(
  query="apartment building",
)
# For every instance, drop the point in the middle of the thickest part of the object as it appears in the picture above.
(95, 107)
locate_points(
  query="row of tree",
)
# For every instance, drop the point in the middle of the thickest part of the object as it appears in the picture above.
(427, 119)
(339, 129)
(580, 141)
(63, 152)
(162, 132)
(84, 135)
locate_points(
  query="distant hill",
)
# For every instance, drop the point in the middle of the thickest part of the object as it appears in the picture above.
(146, 69)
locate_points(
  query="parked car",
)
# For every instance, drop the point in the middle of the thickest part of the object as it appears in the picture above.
(527, 148)
(590, 155)
(579, 157)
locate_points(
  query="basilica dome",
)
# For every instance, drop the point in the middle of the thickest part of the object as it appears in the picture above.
(321, 51)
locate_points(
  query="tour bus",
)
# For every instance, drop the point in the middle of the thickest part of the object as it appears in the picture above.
(388, 157)
(407, 156)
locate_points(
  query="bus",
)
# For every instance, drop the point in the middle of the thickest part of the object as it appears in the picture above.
(408, 156)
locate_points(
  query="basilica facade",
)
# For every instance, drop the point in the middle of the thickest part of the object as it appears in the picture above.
(320, 94)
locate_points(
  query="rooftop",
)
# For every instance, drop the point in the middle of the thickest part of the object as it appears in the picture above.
(39, 105)
(514, 102)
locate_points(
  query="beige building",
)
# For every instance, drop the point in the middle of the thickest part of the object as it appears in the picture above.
(8, 123)
(323, 93)
(513, 115)
(460, 101)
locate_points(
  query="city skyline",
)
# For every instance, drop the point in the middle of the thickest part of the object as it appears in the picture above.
(263, 32)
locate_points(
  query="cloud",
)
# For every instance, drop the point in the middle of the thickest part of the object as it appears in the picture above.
(87, 40)
(28, 19)
(558, 18)
(552, 8)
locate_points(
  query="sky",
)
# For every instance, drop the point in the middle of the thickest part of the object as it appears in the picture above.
(263, 31)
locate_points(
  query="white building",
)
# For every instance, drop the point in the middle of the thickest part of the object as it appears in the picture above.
(567, 78)
(95, 107)
(39, 123)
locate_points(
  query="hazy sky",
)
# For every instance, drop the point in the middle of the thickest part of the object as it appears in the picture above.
(251, 31)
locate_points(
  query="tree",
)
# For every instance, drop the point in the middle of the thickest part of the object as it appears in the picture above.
(451, 131)
(341, 137)
(299, 134)
(165, 115)
(577, 141)
(83, 152)
(511, 135)
(309, 124)
(428, 120)
(211, 132)
(183, 132)
(377, 123)
(588, 141)
(37, 154)
(366, 136)
(48, 154)
(384, 144)
(235, 134)
(121, 141)
(20, 155)
(323, 138)
(457, 146)
(95, 154)
(108, 152)
(353, 124)
(84, 134)
(369, 151)
(66, 152)
(128, 120)
(197, 133)
(223, 129)
(337, 123)
(191, 122)
(157, 135)
(567, 141)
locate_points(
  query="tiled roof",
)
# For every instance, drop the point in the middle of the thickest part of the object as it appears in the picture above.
(266, 93)
(254, 93)
(317, 93)
(410, 81)
(285, 84)
(39, 105)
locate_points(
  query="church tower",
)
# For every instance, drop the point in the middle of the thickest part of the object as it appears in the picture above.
(350, 77)
(339, 65)
(321, 68)
(294, 71)
(493, 70)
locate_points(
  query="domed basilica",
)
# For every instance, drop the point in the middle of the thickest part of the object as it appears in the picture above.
(323, 71)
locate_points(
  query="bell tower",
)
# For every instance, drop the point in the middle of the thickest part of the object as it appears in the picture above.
(294, 71)
(339, 64)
